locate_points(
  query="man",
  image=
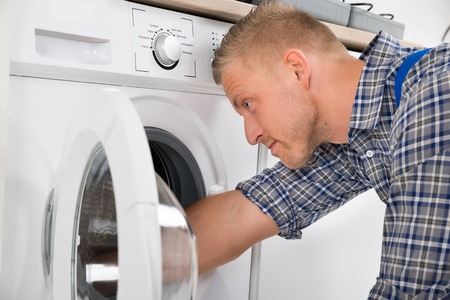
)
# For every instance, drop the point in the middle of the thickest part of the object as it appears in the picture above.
(334, 123)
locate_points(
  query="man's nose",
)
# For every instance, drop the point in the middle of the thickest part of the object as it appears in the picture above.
(253, 132)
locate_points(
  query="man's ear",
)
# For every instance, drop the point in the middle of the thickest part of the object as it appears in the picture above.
(297, 60)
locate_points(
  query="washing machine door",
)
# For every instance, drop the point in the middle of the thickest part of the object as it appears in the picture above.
(113, 228)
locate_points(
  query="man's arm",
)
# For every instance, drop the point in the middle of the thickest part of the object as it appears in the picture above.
(226, 225)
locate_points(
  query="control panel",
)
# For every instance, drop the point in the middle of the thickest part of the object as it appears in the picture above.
(173, 45)
(115, 42)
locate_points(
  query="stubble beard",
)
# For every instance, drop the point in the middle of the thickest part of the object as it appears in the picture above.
(311, 135)
(297, 161)
(296, 158)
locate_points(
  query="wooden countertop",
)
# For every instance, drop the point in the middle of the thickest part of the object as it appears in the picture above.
(232, 10)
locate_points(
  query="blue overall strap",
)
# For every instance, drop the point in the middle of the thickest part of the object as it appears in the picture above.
(403, 70)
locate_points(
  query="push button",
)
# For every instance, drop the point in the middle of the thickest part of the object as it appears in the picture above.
(369, 153)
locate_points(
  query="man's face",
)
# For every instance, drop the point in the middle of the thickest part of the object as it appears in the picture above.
(278, 110)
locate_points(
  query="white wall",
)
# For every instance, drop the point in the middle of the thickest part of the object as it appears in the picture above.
(425, 21)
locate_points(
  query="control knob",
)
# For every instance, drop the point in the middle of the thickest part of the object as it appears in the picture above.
(166, 50)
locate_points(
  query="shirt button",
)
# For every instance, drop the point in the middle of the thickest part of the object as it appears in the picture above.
(369, 153)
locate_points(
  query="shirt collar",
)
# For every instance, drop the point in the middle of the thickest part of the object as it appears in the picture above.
(378, 57)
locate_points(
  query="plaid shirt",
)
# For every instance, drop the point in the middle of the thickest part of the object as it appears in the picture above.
(403, 153)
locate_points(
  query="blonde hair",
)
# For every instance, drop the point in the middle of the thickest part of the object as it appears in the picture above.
(268, 31)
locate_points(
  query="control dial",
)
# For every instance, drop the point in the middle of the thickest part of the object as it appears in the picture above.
(166, 50)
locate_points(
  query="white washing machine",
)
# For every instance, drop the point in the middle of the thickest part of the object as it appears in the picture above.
(113, 116)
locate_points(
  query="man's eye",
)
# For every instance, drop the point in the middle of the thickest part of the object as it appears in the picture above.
(247, 104)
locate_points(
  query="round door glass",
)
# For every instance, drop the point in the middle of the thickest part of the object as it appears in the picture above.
(179, 252)
(96, 251)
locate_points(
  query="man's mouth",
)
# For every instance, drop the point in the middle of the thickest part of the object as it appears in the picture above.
(271, 146)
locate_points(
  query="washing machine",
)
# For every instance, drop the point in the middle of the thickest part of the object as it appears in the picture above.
(114, 126)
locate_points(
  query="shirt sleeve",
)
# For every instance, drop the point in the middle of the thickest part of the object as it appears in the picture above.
(295, 198)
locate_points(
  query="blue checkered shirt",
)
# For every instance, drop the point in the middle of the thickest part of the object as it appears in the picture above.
(403, 153)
